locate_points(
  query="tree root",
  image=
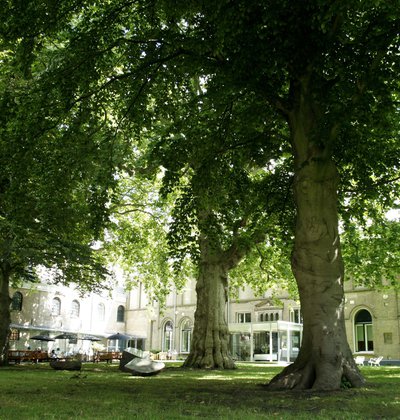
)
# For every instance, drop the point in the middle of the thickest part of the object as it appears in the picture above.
(317, 377)
(202, 361)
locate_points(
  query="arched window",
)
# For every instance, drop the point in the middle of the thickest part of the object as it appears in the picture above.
(16, 302)
(186, 336)
(120, 314)
(277, 316)
(56, 306)
(168, 332)
(101, 311)
(75, 309)
(261, 317)
(363, 331)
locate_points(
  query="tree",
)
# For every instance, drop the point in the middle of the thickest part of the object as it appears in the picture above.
(329, 70)
(326, 70)
(54, 183)
(319, 129)
(220, 212)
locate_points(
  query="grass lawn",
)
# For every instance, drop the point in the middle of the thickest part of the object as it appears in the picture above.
(101, 391)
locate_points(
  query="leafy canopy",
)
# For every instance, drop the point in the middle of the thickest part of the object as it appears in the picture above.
(211, 87)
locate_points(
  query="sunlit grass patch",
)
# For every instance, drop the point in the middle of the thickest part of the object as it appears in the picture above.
(103, 392)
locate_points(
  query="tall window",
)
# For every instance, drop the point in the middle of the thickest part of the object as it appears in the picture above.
(56, 307)
(14, 335)
(101, 311)
(295, 315)
(243, 317)
(186, 336)
(168, 336)
(16, 302)
(121, 313)
(363, 331)
(75, 309)
(187, 296)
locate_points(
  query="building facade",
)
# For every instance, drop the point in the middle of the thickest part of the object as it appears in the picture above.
(265, 328)
(373, 321)
(46, 310)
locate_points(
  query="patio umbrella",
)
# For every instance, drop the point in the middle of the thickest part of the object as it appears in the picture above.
(90, 338)
(41, 338)
(66, 336)
(119, 336)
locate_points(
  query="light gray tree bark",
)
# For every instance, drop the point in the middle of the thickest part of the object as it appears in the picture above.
(325, 358)
(210, 341)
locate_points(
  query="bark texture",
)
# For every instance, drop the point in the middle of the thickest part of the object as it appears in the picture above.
(325, 358)
(210, 341)
(4, 315)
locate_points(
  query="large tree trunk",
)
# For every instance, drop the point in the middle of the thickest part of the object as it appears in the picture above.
(325, 358)
(210, 341)
(4, 315)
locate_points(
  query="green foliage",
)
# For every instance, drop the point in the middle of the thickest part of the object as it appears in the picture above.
(372, 254)
(266, 268)
(54, 177)
(136, 239)
(206, 90)
(345, 56)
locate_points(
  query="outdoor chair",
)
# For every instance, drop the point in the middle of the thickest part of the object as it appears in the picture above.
(359, 360)
(162, 355)
(375, 361)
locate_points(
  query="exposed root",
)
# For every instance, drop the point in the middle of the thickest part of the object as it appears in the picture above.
(317, 377)
(202, 361)
(352, 374)
(293, 377)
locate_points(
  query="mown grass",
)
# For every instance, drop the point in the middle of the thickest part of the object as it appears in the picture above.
(101, 391)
